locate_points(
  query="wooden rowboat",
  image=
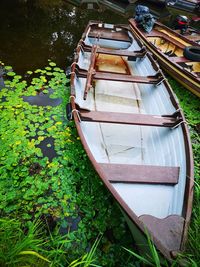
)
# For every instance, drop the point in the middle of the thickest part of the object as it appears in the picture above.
(134, 133)
(169, 47)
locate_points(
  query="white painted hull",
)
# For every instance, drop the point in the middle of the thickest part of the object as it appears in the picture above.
(113, 143)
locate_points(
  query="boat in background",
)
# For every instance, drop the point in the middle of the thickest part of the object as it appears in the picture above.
(185, 5)
(135, 134)
(177, 55)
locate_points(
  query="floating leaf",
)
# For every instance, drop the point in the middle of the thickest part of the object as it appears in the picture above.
(49, 73)
(57, 69)
(8, 68)
(11, 73)
(18, 77)
(52, 64)
(38, 70)
(40, 132)
(29, 72)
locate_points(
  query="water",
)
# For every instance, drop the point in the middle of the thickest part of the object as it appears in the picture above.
(34, 31)
(32, 34)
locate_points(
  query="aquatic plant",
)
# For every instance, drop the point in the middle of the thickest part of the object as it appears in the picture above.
(46, 175)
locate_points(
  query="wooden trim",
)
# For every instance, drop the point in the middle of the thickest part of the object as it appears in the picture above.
(125, 173)
(126, 78)
(129, 118)
(104, 33)
(113, 76)
(120, 52)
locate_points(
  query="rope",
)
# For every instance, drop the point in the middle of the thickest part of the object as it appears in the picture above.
(164, 79)
(176, 125)
(72, 72)
(72, 96)
(177, 111)
(77, 113)
(81, 47)
(73, 63)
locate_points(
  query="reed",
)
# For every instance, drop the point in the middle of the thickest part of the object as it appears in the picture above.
(18, 248)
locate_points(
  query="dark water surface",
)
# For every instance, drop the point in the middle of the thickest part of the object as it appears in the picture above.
(31, 32)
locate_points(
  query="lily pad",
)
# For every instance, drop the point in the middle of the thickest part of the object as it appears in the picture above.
(11, 73)
(52, 64)
(8, 68)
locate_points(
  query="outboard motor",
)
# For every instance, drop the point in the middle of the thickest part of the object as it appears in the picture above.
(181, 23)
(143, 18)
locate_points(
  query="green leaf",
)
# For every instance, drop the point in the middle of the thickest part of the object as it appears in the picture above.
(8, 68)
(11, 73)
(34, 254)
(52, 64)
(29, 72)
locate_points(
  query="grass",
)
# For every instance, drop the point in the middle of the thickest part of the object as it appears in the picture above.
(18, 248)
(65, 194)
(31, 247)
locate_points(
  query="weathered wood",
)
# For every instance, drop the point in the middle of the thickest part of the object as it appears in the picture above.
(111, 76)
(107, 34)
(90, 72)
(120, 52)
(126, 78)
(168, 230)
(125, 173)
(128, 118)
(157, 34)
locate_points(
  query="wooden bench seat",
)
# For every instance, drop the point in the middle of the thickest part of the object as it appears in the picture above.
(119, 52)
(111, 76)
(129, 118)
(109, 35)
(130, 173)
(125, 78)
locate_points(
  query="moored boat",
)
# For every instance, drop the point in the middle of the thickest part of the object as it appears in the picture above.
(178, 55)
(134, 133)
(187, 5)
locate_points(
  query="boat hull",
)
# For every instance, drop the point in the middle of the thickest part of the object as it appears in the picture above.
(128, 119)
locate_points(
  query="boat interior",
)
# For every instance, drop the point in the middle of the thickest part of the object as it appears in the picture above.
(175, 53)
